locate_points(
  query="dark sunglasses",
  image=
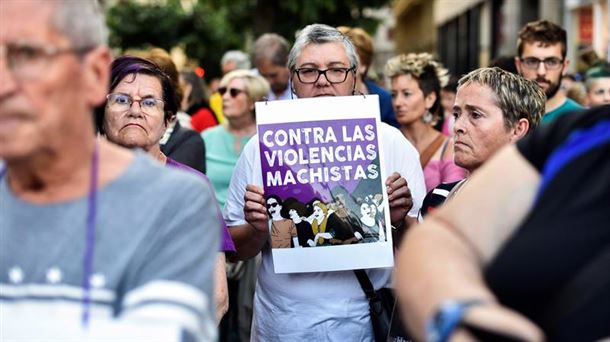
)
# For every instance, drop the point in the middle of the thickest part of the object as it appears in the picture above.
(274, 204)
(232, 91)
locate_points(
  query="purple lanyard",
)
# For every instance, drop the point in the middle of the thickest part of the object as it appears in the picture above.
(90, 238)
(88, 257)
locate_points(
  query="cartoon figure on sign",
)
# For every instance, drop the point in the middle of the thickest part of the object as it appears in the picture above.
(319, 220)
(282, 229)
(342, 223)
(296, 211)
(370, 217)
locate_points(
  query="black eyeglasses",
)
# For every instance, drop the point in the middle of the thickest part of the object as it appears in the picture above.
(333, 75)
(232, 91)
(274, 204)
(533, 63)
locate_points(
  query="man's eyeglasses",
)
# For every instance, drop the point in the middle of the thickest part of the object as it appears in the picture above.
(123, 102)
(333, 75)
(28, 62)
(550, 63)
(232, 91)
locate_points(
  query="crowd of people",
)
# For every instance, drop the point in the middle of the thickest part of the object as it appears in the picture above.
(132, 204)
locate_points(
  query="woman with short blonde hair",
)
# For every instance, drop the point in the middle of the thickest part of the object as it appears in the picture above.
(416, 83)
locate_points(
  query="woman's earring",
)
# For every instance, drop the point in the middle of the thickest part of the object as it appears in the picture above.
(428, 117)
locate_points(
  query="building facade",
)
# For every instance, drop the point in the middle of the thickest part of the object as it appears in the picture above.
(466, 34)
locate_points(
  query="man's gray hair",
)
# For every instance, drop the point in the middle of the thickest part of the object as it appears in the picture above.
(517, 97)
(273, 47)
(81, 21)
(320, 34)
(240, 58)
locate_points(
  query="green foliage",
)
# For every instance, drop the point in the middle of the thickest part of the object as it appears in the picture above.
(135, 26)
(215, 26)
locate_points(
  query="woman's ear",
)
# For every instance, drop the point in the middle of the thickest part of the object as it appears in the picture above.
(429, 100)
(520, 129)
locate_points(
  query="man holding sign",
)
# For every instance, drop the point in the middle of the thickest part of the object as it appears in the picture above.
(317, 305)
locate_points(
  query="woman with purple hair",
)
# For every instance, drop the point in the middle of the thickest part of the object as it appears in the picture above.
(139, 107)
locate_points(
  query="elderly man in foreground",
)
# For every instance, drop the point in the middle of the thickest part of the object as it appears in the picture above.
(97, 242)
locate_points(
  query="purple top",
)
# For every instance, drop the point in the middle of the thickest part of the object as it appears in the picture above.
(227, 242)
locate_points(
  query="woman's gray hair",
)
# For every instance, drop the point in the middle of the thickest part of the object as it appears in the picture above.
(320, 34)
(81, 21)
(517, 97)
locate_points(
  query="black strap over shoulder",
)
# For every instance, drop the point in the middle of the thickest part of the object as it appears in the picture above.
(385, 317)
(366, 284)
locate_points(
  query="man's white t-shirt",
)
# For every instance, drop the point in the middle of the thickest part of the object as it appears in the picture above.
(321, 304)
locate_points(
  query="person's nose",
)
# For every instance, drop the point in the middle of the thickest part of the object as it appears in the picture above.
(226, 95)
(398, 101)
(459, 126)
(322, 80)
(135, 109)
(541, 69)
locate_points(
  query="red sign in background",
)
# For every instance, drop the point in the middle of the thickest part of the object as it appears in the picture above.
(585, 25)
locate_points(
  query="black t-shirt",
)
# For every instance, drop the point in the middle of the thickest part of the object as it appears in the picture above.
(436, 197)
(187, 147)
(568, 226)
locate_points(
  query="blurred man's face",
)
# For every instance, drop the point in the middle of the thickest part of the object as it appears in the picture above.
(479, 129)
(599, 92)
(43, 93)
(227, 67)
(546, 74)
(276, 75)
(326, 56)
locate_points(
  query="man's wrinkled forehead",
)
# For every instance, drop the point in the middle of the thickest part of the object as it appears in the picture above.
(333, 54)
(27, 21)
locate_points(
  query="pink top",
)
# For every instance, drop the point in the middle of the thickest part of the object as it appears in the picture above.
(448, 126)
(442, 171)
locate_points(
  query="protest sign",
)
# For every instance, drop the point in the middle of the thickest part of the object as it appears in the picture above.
(324, 186)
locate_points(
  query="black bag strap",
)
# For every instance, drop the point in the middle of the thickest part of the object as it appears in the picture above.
(581, 288)
(366, 284)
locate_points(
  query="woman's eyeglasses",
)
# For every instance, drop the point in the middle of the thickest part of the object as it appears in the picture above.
(232, 91)
(123, 102)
